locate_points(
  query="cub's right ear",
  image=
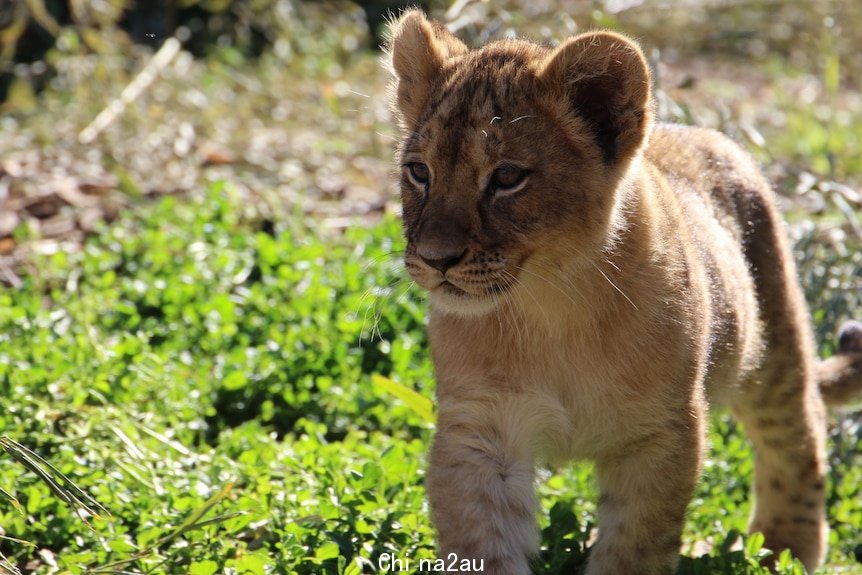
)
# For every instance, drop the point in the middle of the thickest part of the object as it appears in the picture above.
(418, 49)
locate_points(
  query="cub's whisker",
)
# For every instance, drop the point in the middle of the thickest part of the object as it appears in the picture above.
(369, 303)
(529, 292)
(549, 282)
(511, 308)
(615, 286)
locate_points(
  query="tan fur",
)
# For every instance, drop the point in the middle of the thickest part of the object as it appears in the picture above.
(594, 279)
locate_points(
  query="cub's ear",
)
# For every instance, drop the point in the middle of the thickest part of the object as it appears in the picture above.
(418, 49)
(603, 78)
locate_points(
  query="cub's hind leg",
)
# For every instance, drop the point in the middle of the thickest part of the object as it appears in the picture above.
(779, 403)
(783, 417)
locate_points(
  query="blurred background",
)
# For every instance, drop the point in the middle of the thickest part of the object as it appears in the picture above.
(202, 316)
(289, 93)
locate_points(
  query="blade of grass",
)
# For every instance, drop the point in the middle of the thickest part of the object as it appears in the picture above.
(15, 503)
(18, 541)
(131, 448)
(135, 473)
(193, 521)
(421, 405)
(6, 567)
(59, 484)
(220, 519)
(176, 446)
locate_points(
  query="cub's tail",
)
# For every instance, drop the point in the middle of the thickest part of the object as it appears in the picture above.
(840, 376)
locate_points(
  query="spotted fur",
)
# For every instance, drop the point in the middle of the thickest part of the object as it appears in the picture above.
(596, 282)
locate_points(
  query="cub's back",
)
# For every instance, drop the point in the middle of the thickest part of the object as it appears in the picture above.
(714, 168)
(731, 212)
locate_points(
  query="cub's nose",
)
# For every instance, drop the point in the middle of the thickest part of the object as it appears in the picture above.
(443, 239)
(441, 258)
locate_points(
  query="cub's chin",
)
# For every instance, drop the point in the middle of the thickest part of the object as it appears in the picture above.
(451, 300)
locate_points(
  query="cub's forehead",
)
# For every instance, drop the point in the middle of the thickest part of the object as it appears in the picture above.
(482, 99)
(495, 78)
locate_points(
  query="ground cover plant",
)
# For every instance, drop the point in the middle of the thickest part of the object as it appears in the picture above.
(234, 365)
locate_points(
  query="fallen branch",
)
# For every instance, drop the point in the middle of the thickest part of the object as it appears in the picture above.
(144, 78)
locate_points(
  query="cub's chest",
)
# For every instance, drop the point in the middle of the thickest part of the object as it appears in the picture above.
(579, 398)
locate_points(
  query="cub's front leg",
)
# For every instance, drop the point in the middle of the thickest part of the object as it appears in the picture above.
(644, 495)
(481, 490)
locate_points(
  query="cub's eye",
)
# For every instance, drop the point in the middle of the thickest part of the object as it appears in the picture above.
(418, 173)
(507, 179)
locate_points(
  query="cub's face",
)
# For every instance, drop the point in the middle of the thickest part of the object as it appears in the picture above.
(510, 156)
(484, 179)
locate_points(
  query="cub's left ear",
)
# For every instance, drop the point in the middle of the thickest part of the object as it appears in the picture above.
(603, 78)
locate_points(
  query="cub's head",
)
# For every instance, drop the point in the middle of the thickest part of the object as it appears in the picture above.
(511, 155)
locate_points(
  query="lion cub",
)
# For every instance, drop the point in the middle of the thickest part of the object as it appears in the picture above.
(594, 278)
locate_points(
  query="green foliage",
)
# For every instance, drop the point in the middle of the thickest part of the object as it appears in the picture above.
(211, 379)
(164, 363)
(276, 327)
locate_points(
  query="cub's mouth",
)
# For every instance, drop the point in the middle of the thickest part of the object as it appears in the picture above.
(471, 286)
(450, 288)
(477, 300)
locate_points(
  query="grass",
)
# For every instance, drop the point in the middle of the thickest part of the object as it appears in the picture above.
(190, 364)
(245, 390)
